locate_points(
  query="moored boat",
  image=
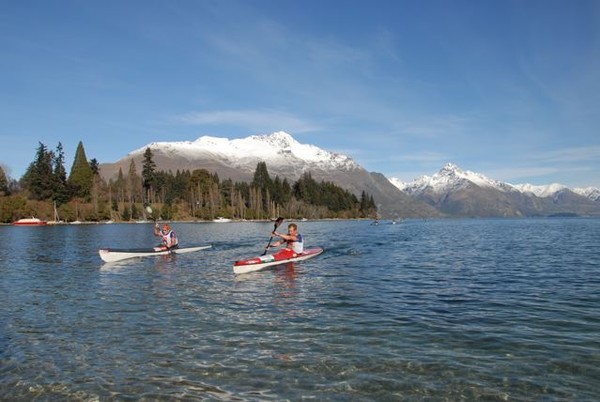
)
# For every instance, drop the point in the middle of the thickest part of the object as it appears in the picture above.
(118, 254)
(264, 261)
(56, 220)
(30, 222)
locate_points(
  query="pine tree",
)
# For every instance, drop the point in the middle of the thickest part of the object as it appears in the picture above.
(3, 182)
(364, 204)
(38, 179)
(261, 177)
(262, 181)
(148, 175)
(120, 186)
(95, 166)
(81, 178)
(133, 186)
(95, 190)
(61, 192)
(286, 192)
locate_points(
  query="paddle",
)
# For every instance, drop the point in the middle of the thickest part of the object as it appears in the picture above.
(275, 226)
(151, 213)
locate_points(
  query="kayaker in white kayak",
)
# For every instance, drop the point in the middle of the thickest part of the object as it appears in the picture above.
(293, 241)
(168, 236)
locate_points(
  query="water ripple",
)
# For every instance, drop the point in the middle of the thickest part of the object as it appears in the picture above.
(473, 309)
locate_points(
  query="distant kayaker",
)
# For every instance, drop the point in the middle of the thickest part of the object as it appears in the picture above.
(293, 240)
(169, 239)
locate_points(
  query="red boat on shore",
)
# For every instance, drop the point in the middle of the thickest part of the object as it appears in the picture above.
(30, 222)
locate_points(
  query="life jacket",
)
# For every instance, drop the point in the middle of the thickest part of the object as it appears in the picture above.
(169, 239)
(297, 245)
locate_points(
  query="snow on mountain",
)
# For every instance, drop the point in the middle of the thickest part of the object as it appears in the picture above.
(590, 192)
(450, 177)
(399, 184)
(541, 191)
(276, 149)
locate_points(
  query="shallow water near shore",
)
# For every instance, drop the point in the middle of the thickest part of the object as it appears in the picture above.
(490, 309)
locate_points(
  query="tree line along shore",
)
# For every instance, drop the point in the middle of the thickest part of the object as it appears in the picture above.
(47, 192)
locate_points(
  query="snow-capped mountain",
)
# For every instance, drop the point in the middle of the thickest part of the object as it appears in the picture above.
(541, 191)
(455, 191)
(590, 192)
(277, 149)
(237, 159)
(284, 156)
(449, 192)
(450, 177)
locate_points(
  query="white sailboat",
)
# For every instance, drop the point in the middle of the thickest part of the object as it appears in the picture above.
(76, 221)
(56, 219)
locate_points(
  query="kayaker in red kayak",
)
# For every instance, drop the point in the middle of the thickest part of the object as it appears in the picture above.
(293, 241)
(169, 239)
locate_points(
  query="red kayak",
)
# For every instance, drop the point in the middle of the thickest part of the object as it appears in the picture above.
(258, 263)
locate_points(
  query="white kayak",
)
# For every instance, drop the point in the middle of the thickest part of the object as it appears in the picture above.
(118, 254)
(264, 261)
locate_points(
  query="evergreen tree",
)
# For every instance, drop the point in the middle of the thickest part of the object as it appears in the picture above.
(82, 177)
(3, 182)
(133, 181)
(177, 186)
(120, 186)
(148, 175)
(364, 204)
(286, 192)
(227, 192)
(367, 205)
(38, 179)
(261, 178)
(306, 189)
(95, 166)
(262, 181)
(61, 192)
(96, 184)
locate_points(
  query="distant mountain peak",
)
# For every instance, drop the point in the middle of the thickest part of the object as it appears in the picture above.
(279, 139)
(450, 168)
(449, 178)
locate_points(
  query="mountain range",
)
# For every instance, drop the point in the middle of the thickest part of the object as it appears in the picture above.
(455, 192)
(451, 192)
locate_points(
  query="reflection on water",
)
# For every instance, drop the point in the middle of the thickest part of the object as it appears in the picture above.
(474, 309)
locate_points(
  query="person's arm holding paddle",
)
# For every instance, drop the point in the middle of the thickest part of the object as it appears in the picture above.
(293, 240)
(285, 238)
(275, 225)
(169, 239)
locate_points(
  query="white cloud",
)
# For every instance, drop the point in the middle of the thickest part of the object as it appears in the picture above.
(253, 120)
(576, 154)
(436, 126)
(425, 158)
(514, 174)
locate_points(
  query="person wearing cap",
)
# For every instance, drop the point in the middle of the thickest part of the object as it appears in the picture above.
(169, 239)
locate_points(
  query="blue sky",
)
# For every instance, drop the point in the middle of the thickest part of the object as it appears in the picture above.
(510, 89)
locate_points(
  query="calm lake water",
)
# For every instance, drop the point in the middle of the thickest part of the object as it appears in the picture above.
(442, 309)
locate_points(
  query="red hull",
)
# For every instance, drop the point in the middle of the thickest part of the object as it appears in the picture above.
(30, 222)
(257, 263)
